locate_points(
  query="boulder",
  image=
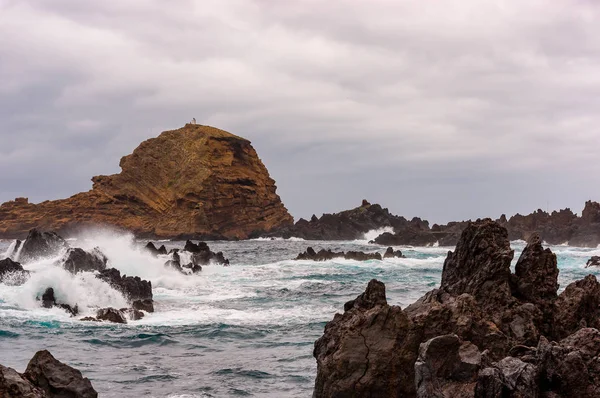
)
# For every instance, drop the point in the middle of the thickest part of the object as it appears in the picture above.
(132, 287)
(13, 385)
(57, 379)
(111, 315)
(576, 307)
(41, 244)
(78, 260)
(12, 272)
(594, 261)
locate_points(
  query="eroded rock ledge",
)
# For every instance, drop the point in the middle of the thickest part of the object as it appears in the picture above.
(486, 332)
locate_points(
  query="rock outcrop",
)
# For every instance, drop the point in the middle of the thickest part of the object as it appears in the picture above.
(594, 261)
(325, 255)
(484, 333)
(195, 181)
(41, 244)
(136, 290)
(45, 377)
(13, 272)
(78, 260)
(49, 300)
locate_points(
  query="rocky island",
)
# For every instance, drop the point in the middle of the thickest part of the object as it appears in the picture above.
(196, 181)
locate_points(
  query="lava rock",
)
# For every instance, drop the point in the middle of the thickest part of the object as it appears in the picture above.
(41, 244)
(133, 287)
(594, 261)
(576, 307)
(13, 271)
(391, 253)
(111, 315)
(13, 385)
(325, 255)
(49, 301)
(78, 260)
(57, 379)
(162, 250)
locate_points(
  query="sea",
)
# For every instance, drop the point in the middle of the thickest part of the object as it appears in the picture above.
(246, 330)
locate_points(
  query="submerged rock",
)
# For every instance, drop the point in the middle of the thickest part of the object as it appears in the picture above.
(57, 379)
(41, 244)
(391, 253)
(78, 260)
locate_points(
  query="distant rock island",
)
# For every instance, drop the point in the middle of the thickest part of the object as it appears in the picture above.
(557, 227)
(196, 181)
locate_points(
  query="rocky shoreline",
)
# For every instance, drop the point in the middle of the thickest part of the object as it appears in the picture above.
(485, 332)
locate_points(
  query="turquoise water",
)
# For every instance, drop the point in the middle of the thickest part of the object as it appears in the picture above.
(243, 330)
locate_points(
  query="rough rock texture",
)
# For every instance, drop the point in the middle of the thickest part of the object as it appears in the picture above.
(56, 379)
(78, 260)
(325, 255)
(13, 271)
(133, 287)
(41, 244)
(202, 255)
(484, 333)
(13, 385)
(194, 181)
(111, 315)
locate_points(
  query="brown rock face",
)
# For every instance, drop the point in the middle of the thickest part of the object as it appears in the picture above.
(194, 181)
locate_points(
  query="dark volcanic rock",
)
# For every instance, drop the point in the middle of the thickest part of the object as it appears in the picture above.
(154, 251)
(325, 255)
(484, 333)
(49, 301)
(391, 253)
(78, 260)
(594, 261)
(41, 244)
(480, 264)
(202, 255)
(133, 287)
(13, 271)
(57, 379)
(13, 385)
(111, 315)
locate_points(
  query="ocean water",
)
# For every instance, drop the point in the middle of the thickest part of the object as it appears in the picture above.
(243, 330)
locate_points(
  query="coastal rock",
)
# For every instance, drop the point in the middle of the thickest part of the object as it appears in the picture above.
(57, 379)
(49, 300)
(578, 306)
(475, 336)
(407, 237)
(191, 182)
(13, 385)
(41, 244)
(78, 260)
(326, 255)
(391, 253)
(111, 315)
(202, 255)
(132, 287)
(162, 250)
(594, 261)
(12, 272)
(480, 264)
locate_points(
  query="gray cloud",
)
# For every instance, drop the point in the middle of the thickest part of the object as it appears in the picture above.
(445, 110)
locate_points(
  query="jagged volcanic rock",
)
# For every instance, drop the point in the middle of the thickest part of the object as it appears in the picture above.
(194, 181)
(594, 261)
(41, 244)
(325, 255)
(111, 315)
(78, 260)
(13, 270)
(484, 333)
(153, 250)
(133, 287)
(57, 379)
(13, 385)
(49, 300)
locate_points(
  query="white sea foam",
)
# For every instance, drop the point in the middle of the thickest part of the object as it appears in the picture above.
(374, 233)
(10, 249)
(290, 239)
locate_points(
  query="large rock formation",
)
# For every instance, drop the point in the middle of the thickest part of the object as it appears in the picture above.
(45, 377)
(195, 181)
(484, 333)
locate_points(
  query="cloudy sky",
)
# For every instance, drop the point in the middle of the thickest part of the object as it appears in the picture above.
(441, 109)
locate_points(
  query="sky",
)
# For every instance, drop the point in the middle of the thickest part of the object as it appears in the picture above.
(446, 110)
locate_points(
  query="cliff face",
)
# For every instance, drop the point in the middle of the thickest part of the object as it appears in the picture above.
(197, 181)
